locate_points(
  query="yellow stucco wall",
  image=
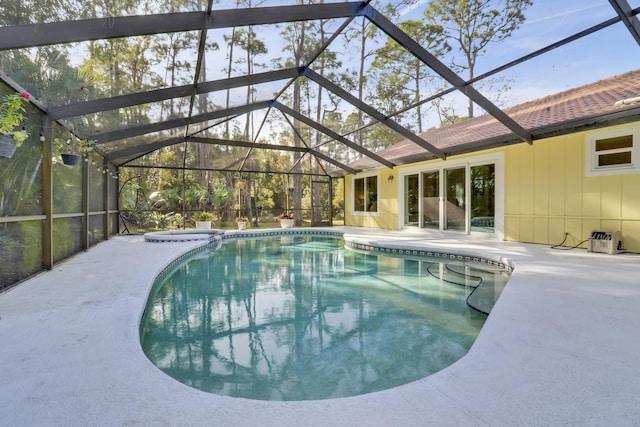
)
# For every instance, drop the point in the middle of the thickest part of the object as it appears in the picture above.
(547, 193)
(387, 216)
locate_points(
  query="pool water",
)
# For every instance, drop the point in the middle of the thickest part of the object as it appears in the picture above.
(299, 318)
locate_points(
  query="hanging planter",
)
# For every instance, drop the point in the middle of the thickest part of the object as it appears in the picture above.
(71, 159)
(74, 147)
(7, 146)
(12, 132)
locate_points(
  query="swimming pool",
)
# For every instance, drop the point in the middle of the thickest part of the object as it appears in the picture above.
(301, 317)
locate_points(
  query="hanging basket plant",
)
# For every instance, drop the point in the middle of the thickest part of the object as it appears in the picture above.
(71, 159)
(75, 149)
(7, 146)
(12, 131)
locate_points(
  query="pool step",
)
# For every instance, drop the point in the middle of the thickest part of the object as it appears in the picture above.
(481, 298)
(451, 273)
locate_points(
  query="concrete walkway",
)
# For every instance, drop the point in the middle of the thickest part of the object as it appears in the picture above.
(561, 347)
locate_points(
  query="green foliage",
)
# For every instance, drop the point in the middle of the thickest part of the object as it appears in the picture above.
(203, 216)
(178, 220)
(31, 246)
(21, 249)
(401, 77)
(265, 199)
(21, 175)
(195, 196)
(219, 195)
(306, 199)
(158, 201)
(338, 194)
(12, 112)
(473, 24)
(65, 237)
(160, 220)
(72, 145)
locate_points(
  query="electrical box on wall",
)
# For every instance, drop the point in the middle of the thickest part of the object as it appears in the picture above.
(608, 242)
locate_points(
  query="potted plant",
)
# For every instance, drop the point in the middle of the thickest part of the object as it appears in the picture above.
(242, 222)
(203, 220)
(12, 130)
(286, 220)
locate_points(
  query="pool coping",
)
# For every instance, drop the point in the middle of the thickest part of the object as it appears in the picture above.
(556, 349)
(214, 237)
(172, 236)
(351, 242)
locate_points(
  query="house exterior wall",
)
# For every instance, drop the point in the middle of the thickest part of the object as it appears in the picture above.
(547, 192)
(388, 196)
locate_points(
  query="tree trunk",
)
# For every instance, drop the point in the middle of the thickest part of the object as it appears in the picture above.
(297, 183)
(315, 197)
(363, 45)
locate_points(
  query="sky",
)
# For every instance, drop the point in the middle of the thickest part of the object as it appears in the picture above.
(609, 52)
(604, 54)
(601, 55)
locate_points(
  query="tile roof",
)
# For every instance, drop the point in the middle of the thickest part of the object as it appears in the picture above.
(576, 109)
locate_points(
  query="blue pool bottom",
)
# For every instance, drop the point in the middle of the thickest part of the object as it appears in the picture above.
(335, 347)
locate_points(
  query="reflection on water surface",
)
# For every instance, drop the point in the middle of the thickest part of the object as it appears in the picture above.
(302, 318)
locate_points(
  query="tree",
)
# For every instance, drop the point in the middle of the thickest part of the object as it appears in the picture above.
(16, 12)
(300, 41)
(338, 196)
(473, 24)
(247, 40)
(401, 75)
(326, 63)
(356, 38)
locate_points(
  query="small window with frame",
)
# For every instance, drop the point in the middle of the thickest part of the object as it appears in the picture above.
(365, 194)
(613, 152)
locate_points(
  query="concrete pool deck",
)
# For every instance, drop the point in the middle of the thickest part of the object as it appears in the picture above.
(561, 347)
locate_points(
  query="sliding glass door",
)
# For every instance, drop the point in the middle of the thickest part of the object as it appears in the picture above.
(431, 200)
(411, 200)
(455, 203)
(459, 198)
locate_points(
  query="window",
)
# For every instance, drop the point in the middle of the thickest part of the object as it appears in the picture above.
(411, 200)
(483, 198)
(613, 152)
(365, 194)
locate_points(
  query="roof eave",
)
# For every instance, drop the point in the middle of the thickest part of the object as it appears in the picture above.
(620, 116)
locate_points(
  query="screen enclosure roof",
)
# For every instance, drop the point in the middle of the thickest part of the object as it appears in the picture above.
(335, 81)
